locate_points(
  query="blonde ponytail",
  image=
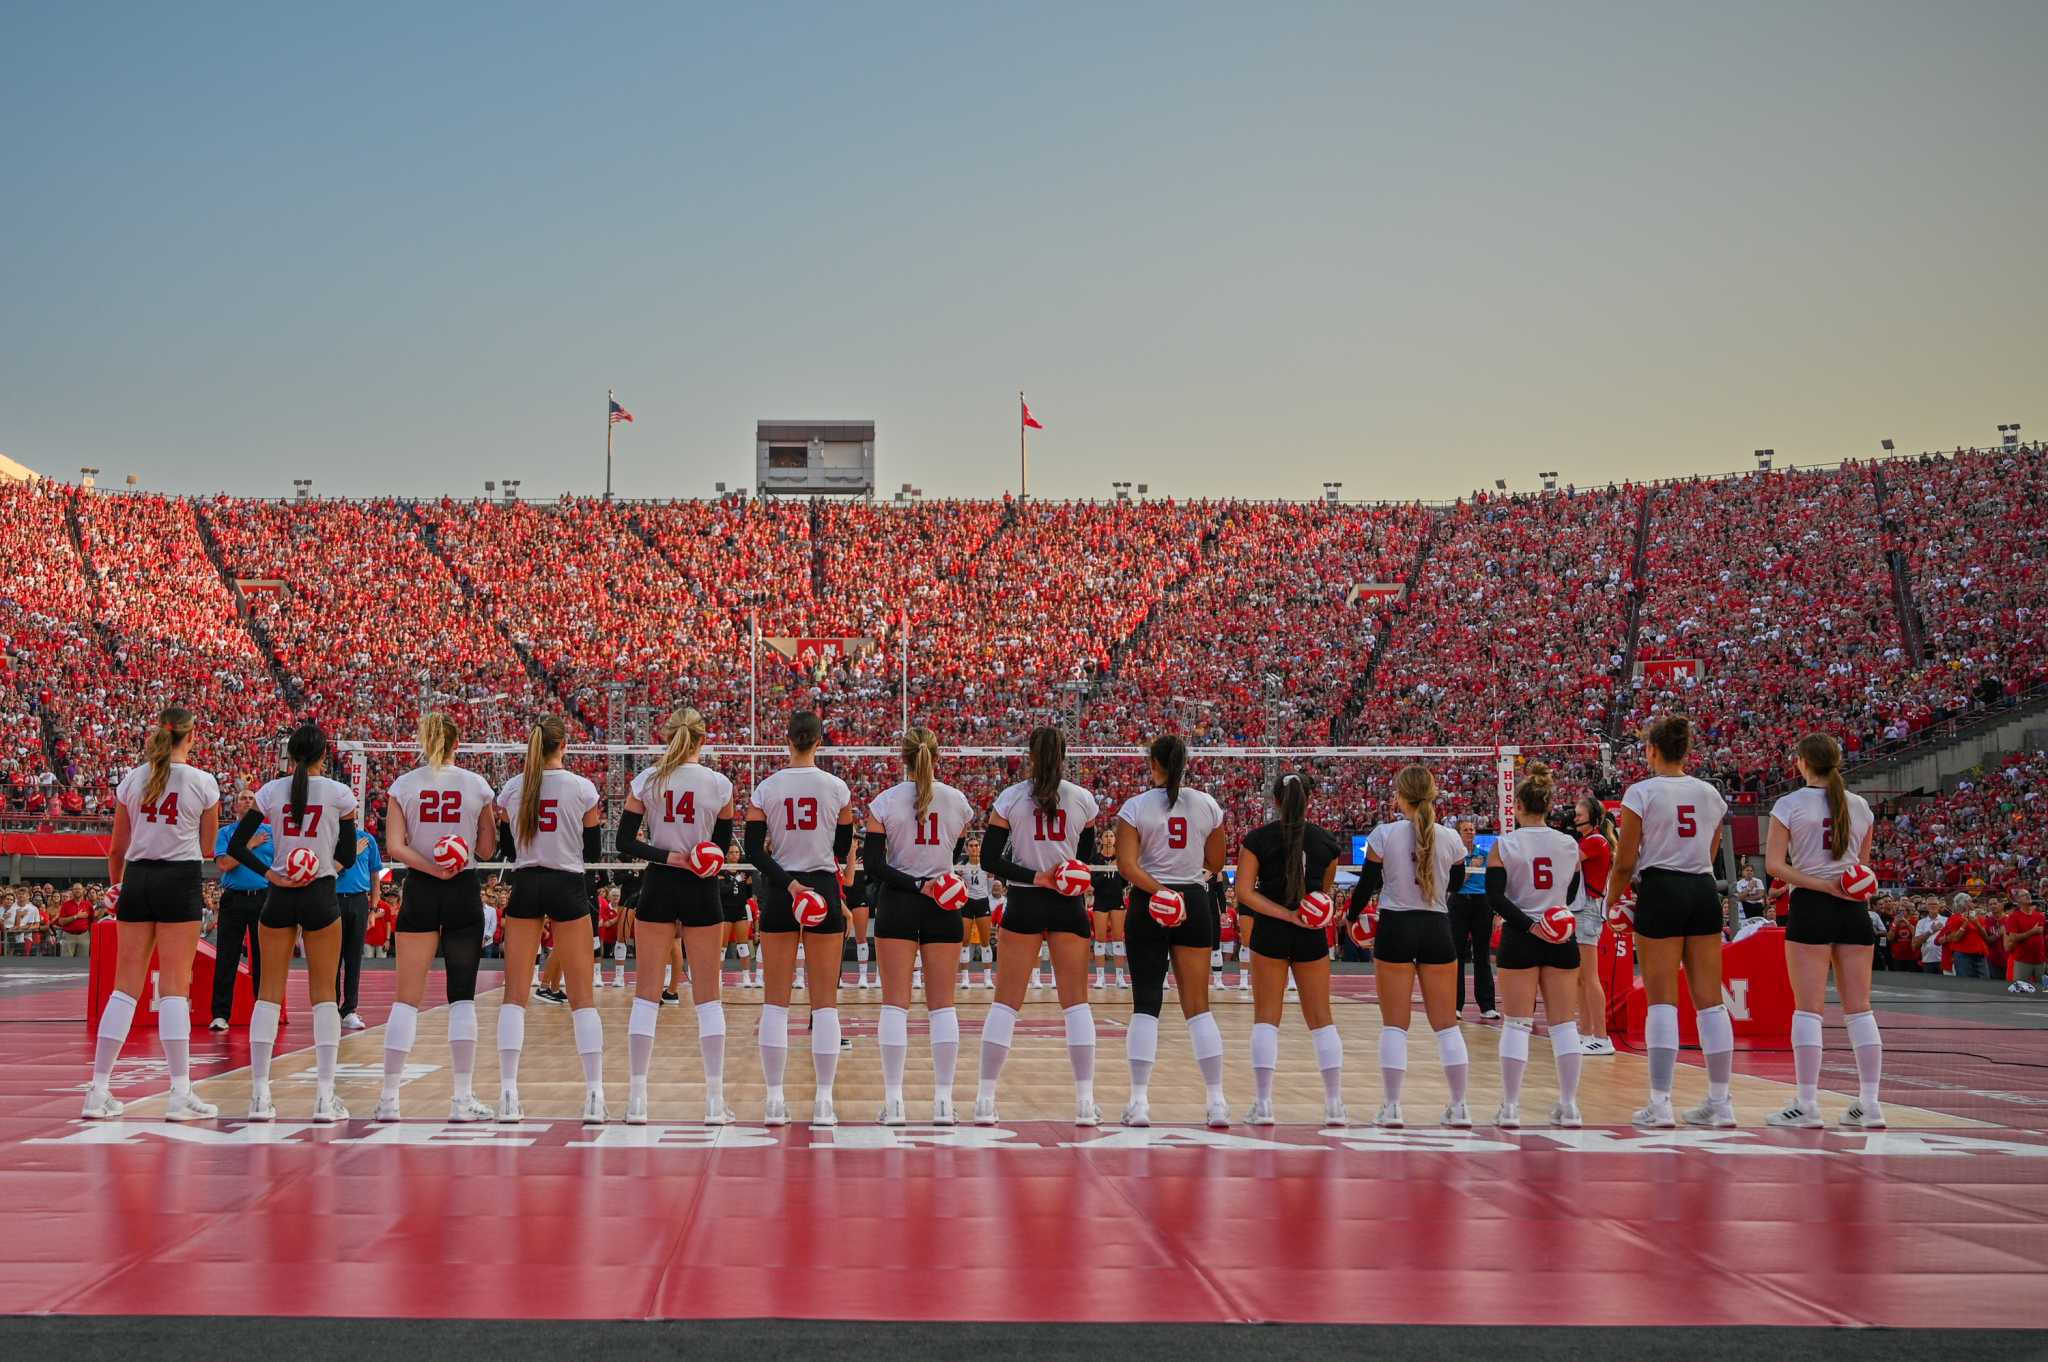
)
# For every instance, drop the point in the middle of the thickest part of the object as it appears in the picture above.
(173, 726)
(544, 741)
(684, 732)
(920, 755)
(1417, 788)
(438, 739)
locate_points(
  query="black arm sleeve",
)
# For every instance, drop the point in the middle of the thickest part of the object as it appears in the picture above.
(1572, 893)
(1457, 879)
(874, 858)
(508, 850)
(345, 845)
(630, 843)
(960, 850)
(993, 844)
(1084, 848)
(1371, 876)
(593, 844)
(758, 857)
(721, 835)
(842, 842)
(238, 843)
(1497, 898)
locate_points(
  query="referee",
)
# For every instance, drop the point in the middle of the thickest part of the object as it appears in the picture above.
(355, 892)
(241, 901)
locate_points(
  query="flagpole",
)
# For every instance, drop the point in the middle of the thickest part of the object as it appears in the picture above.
(904, 644)
(610, 396)
(1023, 477)
(753, 682)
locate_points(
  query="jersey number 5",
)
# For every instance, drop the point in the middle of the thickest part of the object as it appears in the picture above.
(1688, 824)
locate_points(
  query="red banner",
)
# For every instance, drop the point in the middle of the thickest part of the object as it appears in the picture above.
(1375, 591)
(805, 653)
(1667, 669)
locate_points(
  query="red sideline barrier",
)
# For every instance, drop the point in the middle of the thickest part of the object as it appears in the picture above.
(1754, 984)
(85, 844)
(106, 948)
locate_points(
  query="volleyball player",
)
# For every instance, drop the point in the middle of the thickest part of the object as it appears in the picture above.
(1817, 834)
(860, 901)
(799, 832)
(553, 814)
(913, 829)
(1052, 819)
(165, 811)
(1279, 864)
(1414, 864)
(733, 900)
(1106, 911)
(1532, 868)
(1670, 835)
(442, 908)
(311, 813)
(1597, 836)
(1175, 841)
(975, 918)
(683, 804)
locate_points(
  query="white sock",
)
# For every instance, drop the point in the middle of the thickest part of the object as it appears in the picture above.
(1393, 1060)
(945, 1025)
(894, 1040)
(1450, 1050)
(511, 1040)
(1868, 1043)
(1565, 1049)
(1081, 1049)
(262, 1040)
(326, 1047)
(711, 1041)
(1806, 1056)
(774, 1045)
(640, 1041)
(825, 1046)
(1660, 1041)
(1717, 1044)
(1141, 1047)
(589, 1029)
(1330, 1060)
(174, 1033)
(1265, 1059)
(1514, 1057)
(1208, 1043)
(462, 1032)
(115, 1019)
(996, 1029)
(399, 1033)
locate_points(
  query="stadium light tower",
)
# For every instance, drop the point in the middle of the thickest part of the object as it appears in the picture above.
(1144, 490)
(302, 488)
(511, 486)
(1333, 491)
(86, 475)
(1885, 445)
(1764, 458)
(2009, 435)
(1549, 480)
(1122, 490)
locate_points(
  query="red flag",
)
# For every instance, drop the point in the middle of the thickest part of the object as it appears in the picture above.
(1030, 421)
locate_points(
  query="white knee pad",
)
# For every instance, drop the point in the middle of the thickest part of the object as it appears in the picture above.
(1000, 1024)
(589, 1030)
(643, 1018)
(774, 1026)
(1660, 1027)
(824, 1031)
(945, 1025)
(744, 950)
(1265, 1045)
(710, 1019)
(511, 1027)
(1202, 1033)
(1564, 1039)
(1141, 1040)
(119, 1015)
(262, 1023)
(1717, 1032)
(1080, 1025)
(1514, 1038)
(174, 1018)
(894, 1026)
(326, 1024)
(1863, 1030)
(1393, 1048)
(1450, 1047)
(1806, 1028)
(402, 1028)
(462, 1020)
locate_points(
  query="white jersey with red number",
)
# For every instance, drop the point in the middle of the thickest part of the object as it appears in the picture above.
(557, 842)
(1809, 828)
(167, 828)
(1541, 864)
(802, 806)
(1400, 891)
(1681, 815)
(449, 802)
(682, 807)
(922, 847)
(1041, 839)
(1171, 837)
(317, 823)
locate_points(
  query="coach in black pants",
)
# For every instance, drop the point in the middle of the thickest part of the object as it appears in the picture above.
(1472, 926)
(242, 892)
(354, 891)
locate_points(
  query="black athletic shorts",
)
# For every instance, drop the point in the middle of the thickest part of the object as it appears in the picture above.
(673, 895)
(1415, 937)
(309, 909)
(1673, 903)
(160, 891)
(540, 892)
(1521, 948)
(430, 904)
(975, 908)
(1277, 940)
(777, 916)
(903, 916)
(732, 909)
(1034, 911)
(1199, 929)
(1818, 919)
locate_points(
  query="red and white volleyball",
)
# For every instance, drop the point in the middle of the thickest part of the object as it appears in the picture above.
(1317, 910)
(949, 891)
(1859, 882)
(301, 866)
(1071, 879)
(1364, 929)
(706, 859)
(451, 853)
(809, 906)
(1557, 924)
(995, 911)
(1624, 910)
(1168, 908)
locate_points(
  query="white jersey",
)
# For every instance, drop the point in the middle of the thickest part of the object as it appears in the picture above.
(316, 826)
(1681, 815)
(168, 828)
(976, 880)
(1171, 839)
(1808, 824)
(1541, 864)
(1040, 840)
(921, 847)
(802, 806)
(450, 802)
(1399, 891)
(557, 843)
(683, 808)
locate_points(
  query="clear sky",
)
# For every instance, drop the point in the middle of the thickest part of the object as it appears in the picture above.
(1227, 248)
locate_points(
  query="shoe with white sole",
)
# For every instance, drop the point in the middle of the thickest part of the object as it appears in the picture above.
(1795, 1115)
(1261, 1114)
(823, 1114)
(1508, 1116)
(261, 1108)
(985, 1111)
(1712, 1115)
(1565, 1116)
(1457, 1116)
(893, 1113)
(1388, 1117)
(509, 1110)
(1864, 1116)
(594, 1111)
(1334, 1114)
(1490, 1014)
(188, 1107)
(1086, 1113)
(101, 1105)
(776, 1111)
(328, 1110)
(1596, 1045)
(464, 1110)
(387, 1110)
(1137, 1113)
(716, 1112)
(217, 1024)
(353, 1022)
(1217, 1117)
(1654, 1115)
(636, 1108)
(942, 1112)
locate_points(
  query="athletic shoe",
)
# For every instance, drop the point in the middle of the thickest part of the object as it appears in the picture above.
(594, 1112)
(261, 1108)
(619, 976)
(352, 1022)
(217, 1024)
(776, 1111)
(1218, 1115)
(1656, 1115)
(509, 1110)
(1086, 1113)
(327, 1110)
(551, 995)
(463, 1110)
(985, 1111)
(1037, 980)
(1596, 1045)
(1334, 1114)
(636, 1108)
(1864, 1117)
(942, 1112)
(1796, 1116)
(1489, 1014)
(1508, 1116)
(1261, 1114)
(1389, 1116)
(823, 1114)
(1244, 983)
(189, 1108)
(2014, 987)
(716, 1112)
(387, 1110)
(1713, 1115)
(1565, 1116)
(1457, 1116)
(101, 1105)
(1137, 1113)
(892, 1113)
(670, 997)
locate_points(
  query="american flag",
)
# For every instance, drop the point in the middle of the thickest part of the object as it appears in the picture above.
(619, 413)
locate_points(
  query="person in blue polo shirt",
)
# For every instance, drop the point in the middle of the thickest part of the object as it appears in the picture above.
(1472, 922)
(355, 892)
(241, 903)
